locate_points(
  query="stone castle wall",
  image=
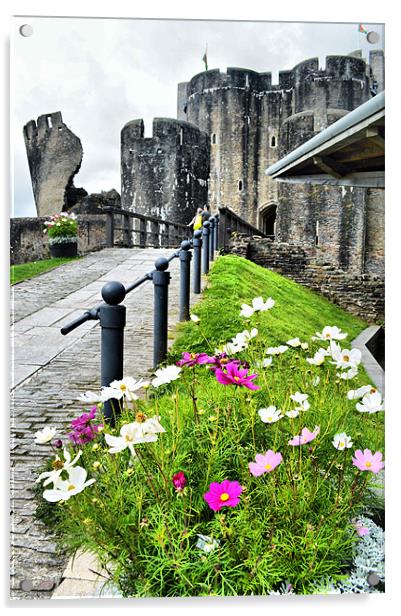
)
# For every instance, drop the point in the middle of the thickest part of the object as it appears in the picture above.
(165, 176)
(29, 243)
(252, 123)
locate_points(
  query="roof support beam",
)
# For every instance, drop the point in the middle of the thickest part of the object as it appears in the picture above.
(373, 135)
(329, 166)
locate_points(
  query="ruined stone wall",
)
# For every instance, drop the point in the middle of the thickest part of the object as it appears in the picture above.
(359, 293)
(54, 158)
(29, 243)
(166, 175)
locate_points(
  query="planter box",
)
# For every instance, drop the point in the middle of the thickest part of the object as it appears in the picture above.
(67, 249)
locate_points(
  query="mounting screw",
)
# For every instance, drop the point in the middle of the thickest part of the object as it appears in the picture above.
(373, 579)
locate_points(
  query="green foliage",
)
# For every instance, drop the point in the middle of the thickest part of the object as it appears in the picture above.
(24, 271)
(293, 523)
(62, 225)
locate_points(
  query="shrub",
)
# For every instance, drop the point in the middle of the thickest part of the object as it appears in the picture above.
(60, 226)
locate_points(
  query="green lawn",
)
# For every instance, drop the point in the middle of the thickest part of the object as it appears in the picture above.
(21, 272)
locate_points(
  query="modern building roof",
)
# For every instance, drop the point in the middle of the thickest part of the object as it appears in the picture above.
(350, 152)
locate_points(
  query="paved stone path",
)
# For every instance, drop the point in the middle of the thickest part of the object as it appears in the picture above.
(51, 370)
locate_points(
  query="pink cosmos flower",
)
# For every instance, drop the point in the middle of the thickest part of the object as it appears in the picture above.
(265, 463)
(306, 436)
(234, 375)
(190, 359)
(179, 481)
(367, 461)
(224, 494)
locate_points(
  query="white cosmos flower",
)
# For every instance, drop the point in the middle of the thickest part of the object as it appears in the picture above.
(330, 333)
(347, 358)
(195, 318)
(63, 490)
(270, 415)
(90, 397)
(317, 359)
(124, 388)
(58, 466)
(342, 441)
(134, 433)
(277, 350)
(206, 543)
(258, 305)
(348, 374)
(371, 403)
(45, 436)
(302, 400)
(294, 342)
(304, 346)
(356, 394)
(293, 413)
(166, 375)
(265, 363)
(245, 336)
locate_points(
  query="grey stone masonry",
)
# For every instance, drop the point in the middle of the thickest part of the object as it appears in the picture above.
(51, 370)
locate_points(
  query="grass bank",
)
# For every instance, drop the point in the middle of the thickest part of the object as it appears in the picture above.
(24, 271)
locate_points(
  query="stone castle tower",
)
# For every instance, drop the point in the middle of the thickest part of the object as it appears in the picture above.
(166, 175)
(252, 123)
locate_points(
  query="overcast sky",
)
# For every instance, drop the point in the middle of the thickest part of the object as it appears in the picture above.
(101, 73)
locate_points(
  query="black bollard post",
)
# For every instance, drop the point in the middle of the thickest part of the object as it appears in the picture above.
(216, 231)
(211, 238)
(185, 275)
(197, 244)
(205, 247)
(112, 323)
(161, 280)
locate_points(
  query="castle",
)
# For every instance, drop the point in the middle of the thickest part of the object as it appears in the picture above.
(230, 127)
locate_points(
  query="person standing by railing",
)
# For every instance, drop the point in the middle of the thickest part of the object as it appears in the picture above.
(205, 213)
(196, 222)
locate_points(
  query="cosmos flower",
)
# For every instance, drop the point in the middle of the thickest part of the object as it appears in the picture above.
(292, 414)
(371, 403)
(166, 375)
(294, 342)
(265, 463)
(42, 437)
(317, 359)
(192, 359)
(342, 441)
(258, 305)
(330, 333)
(277, 350)
(179, 481)
(360, 529)
(356, 394)
(348, 374)
(195, 318)
(302, 400)
(124, 388)
(233, 375)
(224, 494)
(346, 358)
(265, 363)
(64, 489)
(367, 461)
(134, 433)
(270, 414)
(306, 436)
(58, 466)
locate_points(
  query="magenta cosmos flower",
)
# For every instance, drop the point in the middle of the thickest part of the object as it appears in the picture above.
(265, 463)
(224, 494)
(234, 375)
(179, 481)
(368, 461)
(306, 436)
(190, 359)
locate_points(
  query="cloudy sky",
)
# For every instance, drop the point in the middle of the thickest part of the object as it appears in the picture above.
(101, 73)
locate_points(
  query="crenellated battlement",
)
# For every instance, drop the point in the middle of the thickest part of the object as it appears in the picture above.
(167, 130)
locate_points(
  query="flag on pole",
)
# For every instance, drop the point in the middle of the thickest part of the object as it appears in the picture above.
(362, 29)
(205, 58)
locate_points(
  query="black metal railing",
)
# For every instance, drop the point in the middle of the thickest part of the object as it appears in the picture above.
(111, 314)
